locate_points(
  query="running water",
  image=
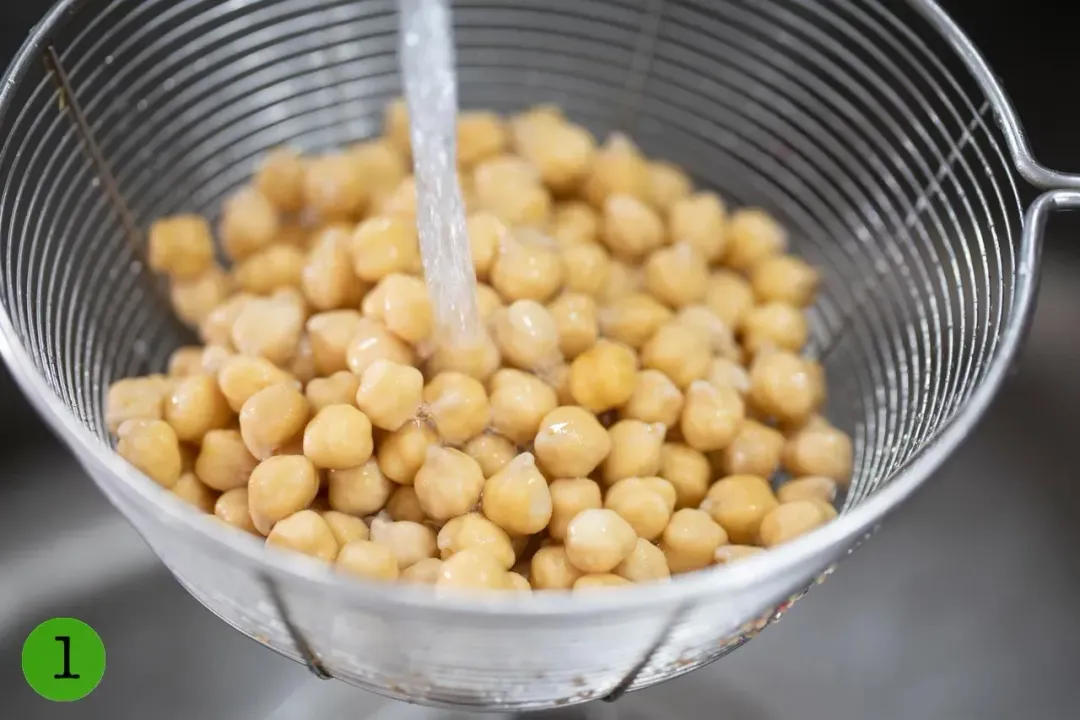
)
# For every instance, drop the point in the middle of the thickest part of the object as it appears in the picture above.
(427, 65)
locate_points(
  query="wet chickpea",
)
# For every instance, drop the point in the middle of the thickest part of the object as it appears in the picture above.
(599, 581)
(622, 280)
(425, 572)
(271, 418)
(471, 569)
(270, 328)
(517, 582)
(817, 382)
(338, 437)
(680, 352)
(401, 202)
(785, 279)
(510, 189)
(195, 407)
(618, 168)
(327, 277)
(448, 484)
(823, 450)
(527, 268)
(574, 223)
(480, 135)
(396, 126)
(487, 235)
(334, 186)
(570, 496)
(305, 532)
(700, 221)
(677, 275)
(586, 269)
(754, 451)
(519, 401)
(604, 376)
(688, 471)
(216, 327)
(338, 389)
(280, 179)
(384, 245)
(721, 338)
(330, 334)
(571, 442)
(402, 452)
(476, 532)
(812, 487)
(249, 222)
(729, 296)
(646, 563)
(655, 400)
(727, 554)
(183, 362)
(345, 528)
(224, 462)
(517, 498)
(633, 319)
(551, 569)
(274, 267)
(410, 542)
(135, 399)
(561, 152)
(404, 504)
(459, 406)
(738, 503)
(828, 510)
(152, 447)
(527, 335)
(241, 376)
(477, 357)
(597, 540)
(774, 325)
(790, 520)
(559, 378)
(724, 372)
(372, 342)
(781, 387)
(279, 487)
(181, 246)
(753, 236)
(232, 508)
(382, 166)
(491, 452)
(635, 450)
(690, 540)
(668, 186)
(487, 302)
(576, 319)
(630, 228)
(647, 511)
(214, 358)
(193, 299)
(368, 560)
(189, 489)
(361, 490)
(390, 393)
(711, 417)
(401, 303)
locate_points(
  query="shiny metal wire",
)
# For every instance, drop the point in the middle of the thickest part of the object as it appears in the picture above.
(866, 126)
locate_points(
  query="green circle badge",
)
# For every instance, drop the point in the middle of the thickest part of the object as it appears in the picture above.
(63, 659)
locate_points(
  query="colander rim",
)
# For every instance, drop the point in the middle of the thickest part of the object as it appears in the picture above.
(802, 556)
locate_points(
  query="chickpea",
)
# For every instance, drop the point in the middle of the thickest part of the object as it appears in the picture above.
(404, 504)
(338, 389)
(551, 569)
(774, 325)
(471, 569)
(327, 276)
(622, 280)
(371, 342)
(574, 223)
(487, 234)
(727, 554)
(823, 450)
(401, 302)
(476, 532)
(635, 450)
(510, 189)
(280, 179)
(828, 511)
(604, 376)
(271, 268)
(152, 447)
(781, 387)
(711, 417)
(330, 334)
(570, 496)
(402, 452)
(599, 581)
(194, 493)
(576, 319)
(488, 302)
(183, 362)
(381, 165)
(425, 572)
(677, 275)
(618, 168)
(249, 222)
(135, 399)
(334, 187)
(410, 542)
(232, 507)
(214, 358)
(396, 126)
(690, 540)
(527, 268)
(384, 245)
(785, 279)
(368, 560)
(561, 152)
(527, 335)
(517, 582)
(754, 451)
(279, 487)
(586, 269)
(345, 528)
(630, 228)
(559, 378)
(271, 418)
(269, 328)
(402, 201)
(338, 437)
(817, 382)
(724, 372)
(477, 357)
(519, 401)
(517, 498)
(645, 563)
(752, 237)
(224, 462)
(390, 393)
(721, 338)
(361, 490)
(216, 328)
(459, 405)
(448, 484)
(305, 532)
(480, 135)
(688, 471)
(655, 400)
(738, 503)
(790, 520)
(181, 246)
(240, 377)
(194, 299)
(491, 452)
(195, 407)
(598, 540)
(668, 187)
(647, 511)
(571, 442)
(812, 487)
(729, 296)
(633, 319)
(680, 352)
(700, 221)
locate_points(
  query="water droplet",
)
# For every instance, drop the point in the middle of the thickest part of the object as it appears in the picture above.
(108, 59)
(141, 106)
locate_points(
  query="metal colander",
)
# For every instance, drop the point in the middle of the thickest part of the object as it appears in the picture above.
(866, 127)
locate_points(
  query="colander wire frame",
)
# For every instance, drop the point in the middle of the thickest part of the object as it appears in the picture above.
(865, 127)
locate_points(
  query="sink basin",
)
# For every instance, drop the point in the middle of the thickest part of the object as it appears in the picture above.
(961, 607)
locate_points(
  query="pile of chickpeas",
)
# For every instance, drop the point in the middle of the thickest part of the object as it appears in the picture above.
(636, 394)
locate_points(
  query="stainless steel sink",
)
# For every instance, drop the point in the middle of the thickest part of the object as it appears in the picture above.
(962, 606)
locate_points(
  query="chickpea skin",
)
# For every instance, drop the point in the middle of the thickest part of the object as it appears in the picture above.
(195, 298)
(630, 228)
(152, 447)
(509, 188)
(571, 442)
(224, 462)
(727, 554)
(519, 402)
(459, 405)
(597, 540)
(269, 327)
(487, 234)
(729, 296)
(618, 169)
(305, 532)
(700, 221)
(517, 498)
(390, 393)
(491, 452)
(361, 490)
(471, 569)
(711, 417)
(279, 487)
(410, 542)
(680, 352)
(688, 471)
(635, 450)
(241, 376)
(633, 319)
(677, 275)
(575, 223)
(604, 376)
(774, 325)
(474, 531)
(690, 540)
(368, 560)
(338, 437)
(587, 268)
(785, 279)
(181, 246)
(371, 342)
(668, 186)
(551, 569)
(646, 563)
(135, 399)
(781, 386)
(249, 222)
(823, 451)
(655, 400)
(647, 511)
(346, 528)
(330, 334)
(576, 318)
(195, 407)
(754, 451)
(425, 572)
(570, 496)
(334, 187)
(812, 487)
(789, 521)
(527, 268)
(738, 503)
(448, 484)
(383, 245)
(271, 418)
(752, 237)
(402, 453)
(280, 179)
(232, 508)
(338, 389)
(327, 277)
(527, 335)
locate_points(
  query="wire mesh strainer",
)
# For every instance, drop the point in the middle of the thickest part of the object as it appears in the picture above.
(865, 126)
